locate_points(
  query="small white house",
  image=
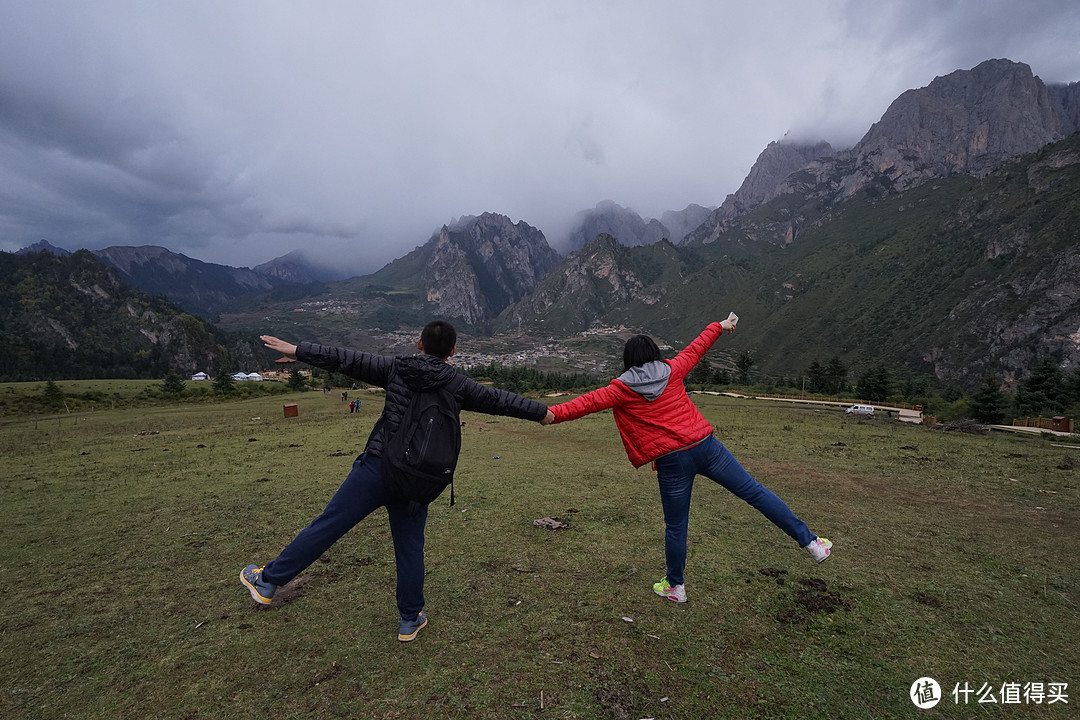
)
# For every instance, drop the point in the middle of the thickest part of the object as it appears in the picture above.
(200, 376)
(254, 377)
(240, 377)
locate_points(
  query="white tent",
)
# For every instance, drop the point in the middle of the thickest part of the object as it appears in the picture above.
(240, 377)
(200, 376)
(255, 377)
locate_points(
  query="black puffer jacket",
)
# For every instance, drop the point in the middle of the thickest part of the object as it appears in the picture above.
(404, 374)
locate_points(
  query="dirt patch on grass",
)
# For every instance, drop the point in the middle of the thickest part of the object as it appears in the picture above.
(773, 573)
(811, 598)
(617, 702)
(927, 599)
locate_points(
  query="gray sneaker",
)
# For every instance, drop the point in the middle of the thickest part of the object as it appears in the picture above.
(261, 591)
(408, 628)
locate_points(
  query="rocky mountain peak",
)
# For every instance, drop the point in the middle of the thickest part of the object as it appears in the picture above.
(775, 163)
(293, 267)
(967, 122)
(43, 246)
(479, 265)
(622, 223)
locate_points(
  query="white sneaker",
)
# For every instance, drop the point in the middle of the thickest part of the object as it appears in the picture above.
(820, 549)
(675, 593)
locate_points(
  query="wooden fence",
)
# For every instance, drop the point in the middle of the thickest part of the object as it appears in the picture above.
(1061, 424)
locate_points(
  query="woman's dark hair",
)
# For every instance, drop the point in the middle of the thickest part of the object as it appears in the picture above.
(439, 338)
(639, 350)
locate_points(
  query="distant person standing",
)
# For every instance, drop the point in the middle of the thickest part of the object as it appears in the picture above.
(659, 424)
(364, 490)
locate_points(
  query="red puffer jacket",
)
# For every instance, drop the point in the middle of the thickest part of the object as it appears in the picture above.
(652, 410)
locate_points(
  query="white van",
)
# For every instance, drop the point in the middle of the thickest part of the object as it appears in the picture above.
(867, 410)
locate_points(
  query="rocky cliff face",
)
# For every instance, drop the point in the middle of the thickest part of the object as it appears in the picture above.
(625, 225)
(483, 264)
(969, 122)
(766, 178)
(1066, 100)
(772, 175)
(587, 285)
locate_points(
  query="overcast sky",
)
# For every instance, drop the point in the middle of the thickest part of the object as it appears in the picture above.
(234, 132)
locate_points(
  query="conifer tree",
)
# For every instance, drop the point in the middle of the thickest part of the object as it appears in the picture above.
(172, 386)
(989, 403)
(52, 396)
(296, 380)
(1043, 391)
(744, 362)
(223, 383)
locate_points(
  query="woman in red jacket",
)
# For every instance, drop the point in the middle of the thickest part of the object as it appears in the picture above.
(659, 424)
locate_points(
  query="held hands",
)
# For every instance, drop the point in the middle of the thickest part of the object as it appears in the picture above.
(548, 419)
(279, 345)
(730, 323)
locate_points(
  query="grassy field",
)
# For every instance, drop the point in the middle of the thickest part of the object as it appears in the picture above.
(955, 558)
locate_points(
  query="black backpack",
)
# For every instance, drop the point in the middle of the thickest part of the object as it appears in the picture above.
(418, 460)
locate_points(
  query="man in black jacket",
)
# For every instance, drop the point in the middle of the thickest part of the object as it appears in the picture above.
(363, 490)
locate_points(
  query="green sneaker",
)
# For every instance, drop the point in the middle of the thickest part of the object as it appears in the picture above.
(261, 591)
(408, 628)
(676, 593)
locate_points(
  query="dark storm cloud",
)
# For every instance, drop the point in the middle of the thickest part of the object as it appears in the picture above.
(236, 132)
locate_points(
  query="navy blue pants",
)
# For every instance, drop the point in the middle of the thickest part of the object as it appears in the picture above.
(361, 494)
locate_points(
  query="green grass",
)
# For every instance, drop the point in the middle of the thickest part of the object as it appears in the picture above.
(955, 558)
(26, 400)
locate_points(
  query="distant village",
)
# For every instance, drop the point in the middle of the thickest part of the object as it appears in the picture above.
(547, 354)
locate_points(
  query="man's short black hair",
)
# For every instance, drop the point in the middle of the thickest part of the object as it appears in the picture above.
(439, 338)
(639, 350)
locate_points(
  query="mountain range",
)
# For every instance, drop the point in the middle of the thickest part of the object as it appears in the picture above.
(944, 240)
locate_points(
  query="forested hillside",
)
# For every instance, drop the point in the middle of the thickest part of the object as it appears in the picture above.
(72, 317)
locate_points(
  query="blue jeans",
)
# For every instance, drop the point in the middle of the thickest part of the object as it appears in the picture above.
(675, 473)
(361, 494)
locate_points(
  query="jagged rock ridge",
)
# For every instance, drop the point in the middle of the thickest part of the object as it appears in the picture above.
(473, 268)
(967, 122)
(205, 289)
